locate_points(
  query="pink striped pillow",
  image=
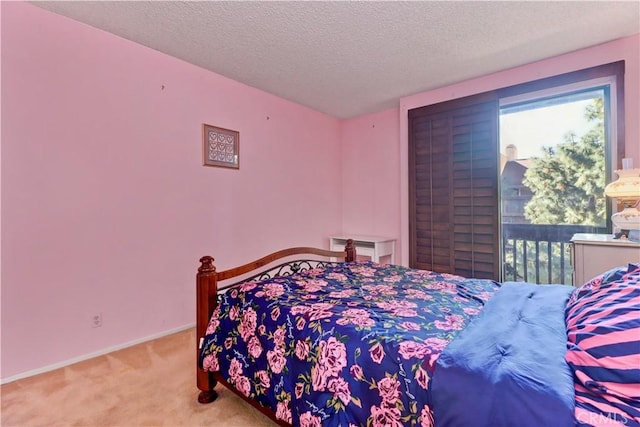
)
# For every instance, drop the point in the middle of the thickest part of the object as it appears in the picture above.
(595, 282)
(603, 348)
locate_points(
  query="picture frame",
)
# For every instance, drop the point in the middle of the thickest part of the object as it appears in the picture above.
(220, 147)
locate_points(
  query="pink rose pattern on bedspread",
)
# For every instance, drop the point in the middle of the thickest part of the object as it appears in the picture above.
(346, 345)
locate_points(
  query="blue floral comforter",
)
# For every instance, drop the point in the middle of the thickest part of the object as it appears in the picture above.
(348, 344)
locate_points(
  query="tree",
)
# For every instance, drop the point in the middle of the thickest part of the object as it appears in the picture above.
(568, 180)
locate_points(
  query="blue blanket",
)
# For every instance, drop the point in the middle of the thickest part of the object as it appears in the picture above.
(507, 368)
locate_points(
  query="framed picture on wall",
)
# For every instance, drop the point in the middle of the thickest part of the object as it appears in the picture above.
(221, 147)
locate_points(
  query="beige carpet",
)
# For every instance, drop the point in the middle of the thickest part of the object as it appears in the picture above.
(151, 384)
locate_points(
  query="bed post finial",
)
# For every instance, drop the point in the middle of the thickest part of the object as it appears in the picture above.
(206, 264)
(351, 251)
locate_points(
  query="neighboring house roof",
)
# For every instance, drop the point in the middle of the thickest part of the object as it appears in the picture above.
(525, 163)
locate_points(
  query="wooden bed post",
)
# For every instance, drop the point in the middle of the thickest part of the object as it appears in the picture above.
(206, 300)
(351, 251)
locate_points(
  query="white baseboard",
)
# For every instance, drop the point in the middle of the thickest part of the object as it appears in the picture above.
(95, 354)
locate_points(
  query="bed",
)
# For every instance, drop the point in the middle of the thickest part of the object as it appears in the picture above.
(339, 342)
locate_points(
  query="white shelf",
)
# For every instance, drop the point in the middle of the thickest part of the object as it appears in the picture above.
(374, 247)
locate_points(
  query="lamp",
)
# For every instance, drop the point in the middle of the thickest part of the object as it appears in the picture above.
(626, 189)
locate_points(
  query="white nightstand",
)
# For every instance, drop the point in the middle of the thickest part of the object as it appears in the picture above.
(593, 254)
(374, 247)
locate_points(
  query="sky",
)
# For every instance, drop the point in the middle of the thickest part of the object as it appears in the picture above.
(531, 129)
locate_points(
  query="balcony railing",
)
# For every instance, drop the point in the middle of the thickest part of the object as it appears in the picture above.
(539, 253)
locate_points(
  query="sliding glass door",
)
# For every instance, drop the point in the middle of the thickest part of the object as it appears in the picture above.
(553, 170)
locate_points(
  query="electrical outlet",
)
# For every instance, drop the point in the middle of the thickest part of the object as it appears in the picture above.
(96, 320)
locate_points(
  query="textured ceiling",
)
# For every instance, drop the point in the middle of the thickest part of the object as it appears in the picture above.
(356, 57)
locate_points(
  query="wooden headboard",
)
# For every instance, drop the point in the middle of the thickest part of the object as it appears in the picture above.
(207, 288)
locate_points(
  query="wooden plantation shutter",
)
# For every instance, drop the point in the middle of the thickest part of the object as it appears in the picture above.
(430, 243)
(453, 187)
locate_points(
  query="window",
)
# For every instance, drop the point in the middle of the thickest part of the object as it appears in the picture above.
(556, 146)
(454, 179)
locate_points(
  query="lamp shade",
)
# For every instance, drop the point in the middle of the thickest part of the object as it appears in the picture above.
(626, 189)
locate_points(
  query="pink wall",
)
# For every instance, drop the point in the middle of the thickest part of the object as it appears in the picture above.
(105, 205)
(371, 201)
(383, 150)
